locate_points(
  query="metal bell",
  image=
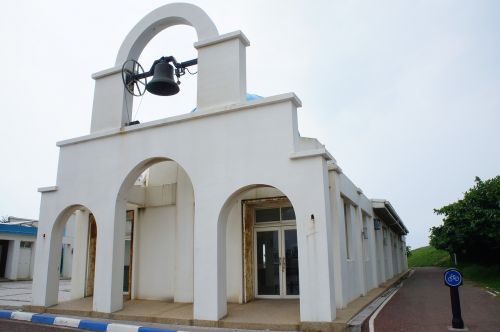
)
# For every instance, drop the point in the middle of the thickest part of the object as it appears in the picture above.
(163, 83)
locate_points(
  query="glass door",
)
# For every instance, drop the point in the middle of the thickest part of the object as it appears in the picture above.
(291, 262)
(277, 262)
(268, 262)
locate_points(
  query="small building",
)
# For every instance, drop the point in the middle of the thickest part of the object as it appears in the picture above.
(225, 204)
(17, 246)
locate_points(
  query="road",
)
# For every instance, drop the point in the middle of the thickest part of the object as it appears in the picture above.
(423, 304)
(19, 326)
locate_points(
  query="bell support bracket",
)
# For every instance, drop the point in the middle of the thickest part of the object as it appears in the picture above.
(135, 78)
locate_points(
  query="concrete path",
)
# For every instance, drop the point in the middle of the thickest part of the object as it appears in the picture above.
(423, 304)
(15, 294)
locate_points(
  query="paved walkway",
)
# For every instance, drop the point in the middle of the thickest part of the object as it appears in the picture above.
(258, 314)
(423, 304)
(18, 293)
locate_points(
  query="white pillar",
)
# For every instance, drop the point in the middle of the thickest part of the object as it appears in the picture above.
(48, 253)
(210, 299)
(389, 254)
(372, 251)
(46, 274)
(380, 255)
(338, 236)
(79, 266)
(184, 234)
(358, 244)
(404, 262)
(221, 70)
(110, 251)
(316, 263)
(32, 262)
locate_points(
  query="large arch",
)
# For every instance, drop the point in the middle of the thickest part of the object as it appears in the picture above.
(160, 19)
(163, 242)
(236, 225)
(55, 245)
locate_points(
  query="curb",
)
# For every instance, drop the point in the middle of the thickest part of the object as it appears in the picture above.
(355, 323)
(84, 324)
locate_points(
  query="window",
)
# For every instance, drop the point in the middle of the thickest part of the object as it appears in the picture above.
(275, 214)
(267, 215)
(26, 244)
(347, 222)
(287, 213)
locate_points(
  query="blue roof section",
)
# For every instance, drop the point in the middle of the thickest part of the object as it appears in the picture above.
(18, 229)
(250, 97)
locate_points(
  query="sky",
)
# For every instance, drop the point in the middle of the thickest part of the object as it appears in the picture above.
(404, 94)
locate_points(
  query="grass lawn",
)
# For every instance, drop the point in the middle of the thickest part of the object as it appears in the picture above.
(429, 256)
(486, 276)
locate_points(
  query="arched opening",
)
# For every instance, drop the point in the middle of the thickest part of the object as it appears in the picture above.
(158, 261)
(176, 41)
(261, 245)
(75, 233)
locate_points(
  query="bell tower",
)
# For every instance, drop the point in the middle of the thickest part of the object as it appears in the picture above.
(221, 62)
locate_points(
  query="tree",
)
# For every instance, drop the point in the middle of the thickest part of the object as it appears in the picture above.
(408, 251)
(471, 226)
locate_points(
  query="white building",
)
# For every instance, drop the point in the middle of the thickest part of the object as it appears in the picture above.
(233, 204)
(18, 245)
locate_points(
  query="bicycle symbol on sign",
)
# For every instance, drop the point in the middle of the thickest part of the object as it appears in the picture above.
(452, 278)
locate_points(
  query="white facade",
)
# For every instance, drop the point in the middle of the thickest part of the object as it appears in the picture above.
(17, 248)
(212, 220)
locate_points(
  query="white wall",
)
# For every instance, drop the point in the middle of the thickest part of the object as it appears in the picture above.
(155, 258)
(371, 262)
(24, 262)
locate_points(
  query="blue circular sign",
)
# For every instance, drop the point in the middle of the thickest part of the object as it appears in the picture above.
(452, 277)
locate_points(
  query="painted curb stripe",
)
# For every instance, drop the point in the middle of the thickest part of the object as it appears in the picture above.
(153, 329)
(113, 327)
(92, 325)
(5, 314)
(20, 315)
(83, 324)
(43, 319)
(64, 321)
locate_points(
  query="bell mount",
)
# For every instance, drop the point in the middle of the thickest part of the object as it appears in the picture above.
(135, 78)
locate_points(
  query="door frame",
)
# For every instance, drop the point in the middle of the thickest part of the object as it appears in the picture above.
(130, 216)
(248, 207)
(280, 227)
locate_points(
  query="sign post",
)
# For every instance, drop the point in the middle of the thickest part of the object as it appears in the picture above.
(453, 279)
